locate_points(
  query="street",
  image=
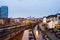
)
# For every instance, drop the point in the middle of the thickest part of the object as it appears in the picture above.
(48, 33)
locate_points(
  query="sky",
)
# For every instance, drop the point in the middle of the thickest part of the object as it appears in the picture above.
(34, 8)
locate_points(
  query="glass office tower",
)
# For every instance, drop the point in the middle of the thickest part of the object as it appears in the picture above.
(4, 12)
(0, 11)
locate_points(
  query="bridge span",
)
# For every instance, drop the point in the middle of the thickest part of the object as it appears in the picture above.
(14, 32)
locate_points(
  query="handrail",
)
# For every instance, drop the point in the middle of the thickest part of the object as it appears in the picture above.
(10, 31)
(44, 34)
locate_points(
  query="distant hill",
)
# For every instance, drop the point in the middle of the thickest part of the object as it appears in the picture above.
(55, 15)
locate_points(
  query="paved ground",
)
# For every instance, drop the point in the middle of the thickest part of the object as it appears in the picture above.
(40, 37)
(37, 34)
(25, 35)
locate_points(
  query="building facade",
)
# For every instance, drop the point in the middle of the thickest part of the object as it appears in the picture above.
(0, 11)
(44, 19)
(3, 12)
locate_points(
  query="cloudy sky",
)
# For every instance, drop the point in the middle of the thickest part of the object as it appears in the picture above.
(34, 8)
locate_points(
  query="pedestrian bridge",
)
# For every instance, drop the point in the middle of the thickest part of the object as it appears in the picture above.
(11, 33)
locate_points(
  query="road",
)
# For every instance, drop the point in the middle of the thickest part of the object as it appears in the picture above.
(50, 35)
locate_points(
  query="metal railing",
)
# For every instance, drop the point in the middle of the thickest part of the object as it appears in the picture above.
(11, 31)
(5, 32)
(45, 36)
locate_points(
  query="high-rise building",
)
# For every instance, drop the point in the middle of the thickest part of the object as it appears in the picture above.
(0, 11)
(4, 12)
